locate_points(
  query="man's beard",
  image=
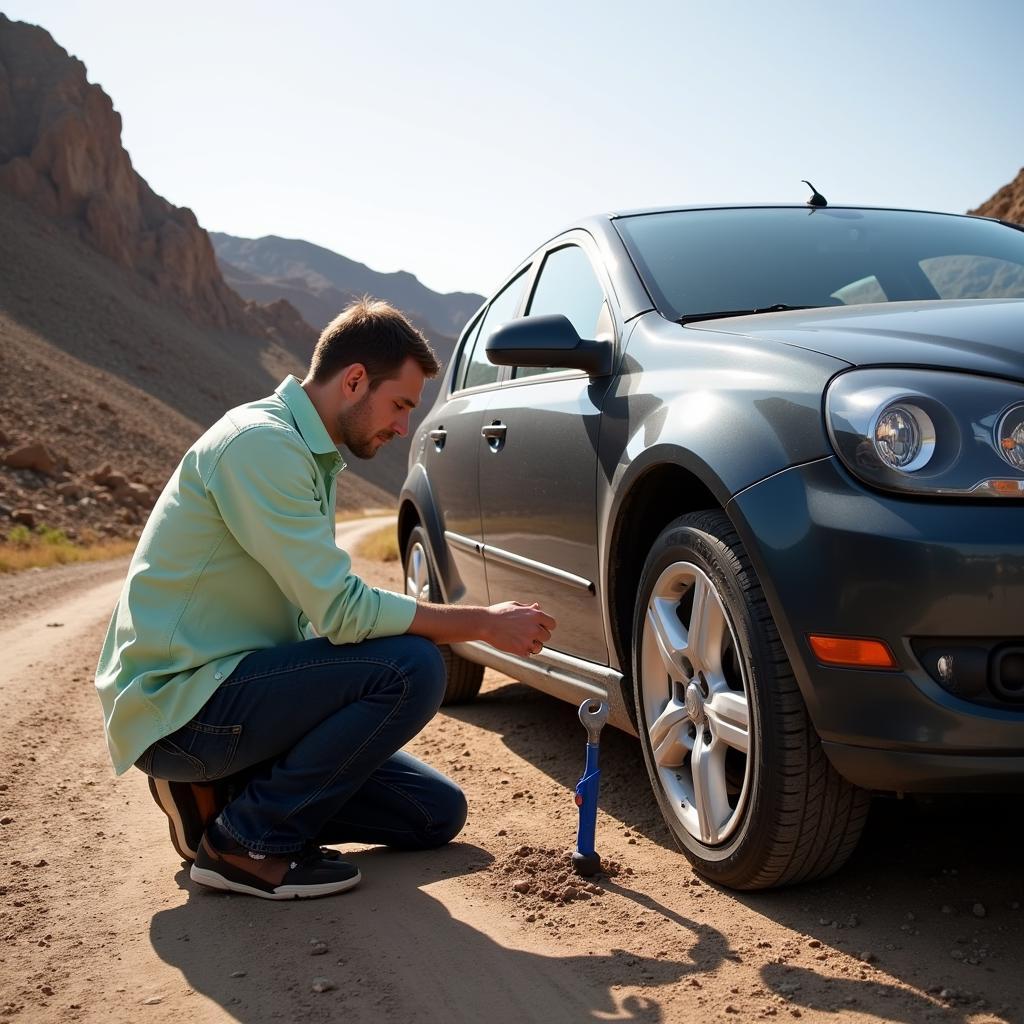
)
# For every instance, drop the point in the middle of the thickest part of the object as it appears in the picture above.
(354, 429)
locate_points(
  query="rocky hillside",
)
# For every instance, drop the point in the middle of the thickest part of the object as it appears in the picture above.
(321, 282)
(1007, 203)
(111, 385)
(119, 339)
(61, 152)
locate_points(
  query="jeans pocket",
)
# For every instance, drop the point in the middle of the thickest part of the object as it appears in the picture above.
(168, 760)
(212, 745)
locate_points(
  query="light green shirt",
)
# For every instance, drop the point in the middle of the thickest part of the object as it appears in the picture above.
(238, 555)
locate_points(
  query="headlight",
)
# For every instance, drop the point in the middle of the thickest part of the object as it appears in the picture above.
(1010, 437)
(904, 437)
(929, 431)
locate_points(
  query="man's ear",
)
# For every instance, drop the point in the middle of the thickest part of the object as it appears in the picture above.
(354, 382)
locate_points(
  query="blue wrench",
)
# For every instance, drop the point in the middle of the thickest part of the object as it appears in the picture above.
(586, 861)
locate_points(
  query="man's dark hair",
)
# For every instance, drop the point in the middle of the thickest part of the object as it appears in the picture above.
(375, 334)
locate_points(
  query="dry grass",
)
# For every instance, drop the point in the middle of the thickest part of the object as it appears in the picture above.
(41, 554)
(348, 515)
(379, 546)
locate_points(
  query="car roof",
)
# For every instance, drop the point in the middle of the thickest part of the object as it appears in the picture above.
(643, 211)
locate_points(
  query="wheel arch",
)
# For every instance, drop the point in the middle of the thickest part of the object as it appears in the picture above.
(656, 493)
(416, 508)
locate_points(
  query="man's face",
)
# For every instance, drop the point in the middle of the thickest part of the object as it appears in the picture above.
(382, 412)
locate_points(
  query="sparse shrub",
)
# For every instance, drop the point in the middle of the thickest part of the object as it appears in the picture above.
(51, 535)
(19, 535)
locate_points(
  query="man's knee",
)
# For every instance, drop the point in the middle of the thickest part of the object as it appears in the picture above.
(427, 672)
(448, 814)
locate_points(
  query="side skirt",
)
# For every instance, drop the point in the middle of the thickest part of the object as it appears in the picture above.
(561, 676)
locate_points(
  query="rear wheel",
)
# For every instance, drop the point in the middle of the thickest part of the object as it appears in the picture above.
(464, 677)
(736, 765)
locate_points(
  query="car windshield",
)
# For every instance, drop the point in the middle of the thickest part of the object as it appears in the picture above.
(726, 261)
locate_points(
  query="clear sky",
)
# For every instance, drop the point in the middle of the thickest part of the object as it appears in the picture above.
(451, 138)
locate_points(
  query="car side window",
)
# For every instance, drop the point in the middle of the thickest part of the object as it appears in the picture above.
(480, 370)
(467, 347)
(568, 285)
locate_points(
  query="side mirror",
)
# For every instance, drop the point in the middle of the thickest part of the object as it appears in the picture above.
(548, 341)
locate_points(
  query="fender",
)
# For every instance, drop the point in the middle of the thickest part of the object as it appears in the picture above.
(417, 500)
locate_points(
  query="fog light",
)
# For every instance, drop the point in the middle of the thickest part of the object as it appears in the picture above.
(851, 652)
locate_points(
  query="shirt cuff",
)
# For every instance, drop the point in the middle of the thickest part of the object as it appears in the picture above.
(394, 614)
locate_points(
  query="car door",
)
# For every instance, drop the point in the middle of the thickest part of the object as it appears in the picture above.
(538, 466)
(451, 450)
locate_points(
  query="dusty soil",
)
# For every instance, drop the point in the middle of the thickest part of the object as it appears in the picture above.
(99, 921)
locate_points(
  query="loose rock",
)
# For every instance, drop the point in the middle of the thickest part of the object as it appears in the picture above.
(32, 456)
(323, 985)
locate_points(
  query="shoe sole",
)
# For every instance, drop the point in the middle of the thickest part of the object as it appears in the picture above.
(161, 791)
(213, 880)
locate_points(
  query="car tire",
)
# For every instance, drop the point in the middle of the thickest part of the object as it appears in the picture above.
(464, 677)
(737, 768)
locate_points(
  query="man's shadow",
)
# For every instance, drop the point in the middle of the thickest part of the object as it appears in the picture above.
(395, 951)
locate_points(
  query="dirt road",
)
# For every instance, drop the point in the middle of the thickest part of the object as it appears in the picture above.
(99, 921)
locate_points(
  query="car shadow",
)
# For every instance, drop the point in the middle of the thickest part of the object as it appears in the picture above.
(396, 951)
(933, 895)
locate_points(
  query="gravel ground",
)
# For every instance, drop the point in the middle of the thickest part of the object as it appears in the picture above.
(99, 921)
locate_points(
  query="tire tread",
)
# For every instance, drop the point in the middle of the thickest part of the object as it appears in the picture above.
(818, 816)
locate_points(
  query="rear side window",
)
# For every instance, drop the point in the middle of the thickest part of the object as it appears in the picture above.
(467, 348)
(568, 285)
(479, 370)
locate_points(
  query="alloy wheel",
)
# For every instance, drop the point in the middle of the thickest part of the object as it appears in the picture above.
(417, 573)
(694, 692)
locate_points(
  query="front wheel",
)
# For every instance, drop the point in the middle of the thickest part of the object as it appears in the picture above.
(736, 765)
(464, 677)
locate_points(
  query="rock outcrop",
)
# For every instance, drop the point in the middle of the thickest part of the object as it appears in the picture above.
(1007, 203)
(61, 152)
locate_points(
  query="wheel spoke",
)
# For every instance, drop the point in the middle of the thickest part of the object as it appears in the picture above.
(707, 625)
(708, 770)
(669, 634)
(670, 739)
(730, 719)
(417, 582)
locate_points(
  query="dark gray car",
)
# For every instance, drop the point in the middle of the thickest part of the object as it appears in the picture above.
(765, 465)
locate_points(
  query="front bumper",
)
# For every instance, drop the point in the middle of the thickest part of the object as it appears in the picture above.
(836, 558)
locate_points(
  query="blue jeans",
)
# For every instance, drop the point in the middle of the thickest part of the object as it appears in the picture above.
(311, 733)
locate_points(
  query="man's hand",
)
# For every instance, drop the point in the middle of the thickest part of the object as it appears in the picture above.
(519, 628)
(511, 626)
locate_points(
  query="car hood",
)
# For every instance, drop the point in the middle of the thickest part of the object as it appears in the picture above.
(980, 335)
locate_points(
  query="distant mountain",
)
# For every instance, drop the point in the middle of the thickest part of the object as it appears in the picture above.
(320, 283)
(1007, 203)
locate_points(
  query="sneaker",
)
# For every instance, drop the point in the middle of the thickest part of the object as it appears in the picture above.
(190, 807)
(221, 863)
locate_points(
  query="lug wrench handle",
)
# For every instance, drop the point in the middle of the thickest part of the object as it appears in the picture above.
(585, 860)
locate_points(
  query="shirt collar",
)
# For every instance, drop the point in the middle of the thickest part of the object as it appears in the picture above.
(307, 419)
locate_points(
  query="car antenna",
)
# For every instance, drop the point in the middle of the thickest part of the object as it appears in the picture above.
(816, 199)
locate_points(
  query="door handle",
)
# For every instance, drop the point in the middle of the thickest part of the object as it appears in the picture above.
(495, 434)
(439, 435)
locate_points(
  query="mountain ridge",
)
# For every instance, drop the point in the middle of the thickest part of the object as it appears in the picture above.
(330, 277)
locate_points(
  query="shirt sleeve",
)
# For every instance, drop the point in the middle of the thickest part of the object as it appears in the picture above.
(268, 492)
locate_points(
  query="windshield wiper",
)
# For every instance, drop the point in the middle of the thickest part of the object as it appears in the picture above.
(779, 307)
